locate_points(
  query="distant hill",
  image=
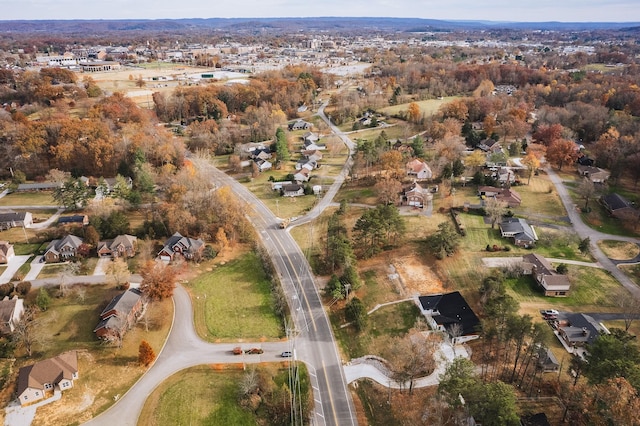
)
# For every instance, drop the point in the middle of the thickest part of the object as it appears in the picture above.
(343, 24)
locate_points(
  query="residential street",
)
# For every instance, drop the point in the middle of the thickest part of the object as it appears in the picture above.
(584, 231)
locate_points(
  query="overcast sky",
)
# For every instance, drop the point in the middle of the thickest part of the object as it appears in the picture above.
(494, 10)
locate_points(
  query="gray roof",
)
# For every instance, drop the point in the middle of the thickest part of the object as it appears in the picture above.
(124, 303)
(616, 201)
(12, 216)
(519, 227)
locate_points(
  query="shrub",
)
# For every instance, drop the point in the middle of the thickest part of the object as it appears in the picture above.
(23, 287)
(488, 248)
(146, 355)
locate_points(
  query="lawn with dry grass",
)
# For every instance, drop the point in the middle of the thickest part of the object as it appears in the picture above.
(632, 271)
(105, 371)
(427, 107)
(40, 198)
(619, 250)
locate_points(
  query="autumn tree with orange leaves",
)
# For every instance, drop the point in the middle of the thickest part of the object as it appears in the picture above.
(561, 152)
(146, 354)
(158, 280)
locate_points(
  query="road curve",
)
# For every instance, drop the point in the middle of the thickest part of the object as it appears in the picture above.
(183, 349)
(585, 231)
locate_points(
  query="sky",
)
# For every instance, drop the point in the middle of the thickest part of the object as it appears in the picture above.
(493, 10)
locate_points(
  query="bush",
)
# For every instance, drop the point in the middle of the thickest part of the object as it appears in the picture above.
(6, 290)
(488, 248)
(23, 287)
(507, 248)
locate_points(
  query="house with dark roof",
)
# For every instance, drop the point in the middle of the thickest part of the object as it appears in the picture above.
(522, 233)
(120, 315)
(551, 282)
(450, 313)
(177, 245)
(619, 207)
(10, 220)
(81, 219)
(64, 249)
(292, 190)
(579, 329)
(11, 311)
(39, 186)
(300, 125)
(547, 361)
(39, 380)
(6, 251)
(121, 246)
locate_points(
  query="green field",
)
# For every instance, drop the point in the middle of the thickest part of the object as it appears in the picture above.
(234, 302)
(42, 198)
(428, 107)
(204, 396)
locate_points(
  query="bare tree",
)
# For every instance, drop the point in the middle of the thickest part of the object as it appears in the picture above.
(411, 357)
(495, 209)
(588, 191)
(117, 272)
(69, 270)
(629, 305)
(24, 334)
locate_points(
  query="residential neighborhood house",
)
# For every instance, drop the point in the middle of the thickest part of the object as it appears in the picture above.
(300, 125)
(10, 220)
(64, 249)
(11, 311)
(552, 283)
(418, 169)
(292, 190)
(6, 251)
(594, 174)
(82, 219)
(120, 315)
(416, 196)
(579, 330)
(619, 207)
(40, 380)
(450, 313)
(522, 233)
(177, 245)
(121, 246)
(507, 195)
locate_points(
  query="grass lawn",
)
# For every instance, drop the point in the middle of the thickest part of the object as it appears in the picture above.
(598, 218)
(52, 270)
(428, 107)
(22, 249)
(592, 290)
(392, 132)
(234, 302)
(105, 371)
(540, 198)
(388, 321)
(619, 250)
(42, 198)
(632, 271)
(205, 396)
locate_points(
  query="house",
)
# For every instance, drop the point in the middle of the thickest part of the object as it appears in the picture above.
(108, 185)
(292, 190)
(41, 186)
(522, 233)
(508, 196)
(82, 219)
(416, 196)
(6, 251)
(312, 155)
(490, 145)
(547, 361)
(450, 313)
(579, 330)
(619, 207)
(186, 247)
(11, 311)
(38, 380)
(310, 138)
(121, 246)
(302, 175)
(120, 315)
(277, 186)
(64, 249)
(10, 220)
(505, 175)
(300, 125)
(418, 169)
(594, 174)
(552, 283)
(263, 165)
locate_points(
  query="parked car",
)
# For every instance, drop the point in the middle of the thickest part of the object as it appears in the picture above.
(237, 350)
(286, 354)
(549, 314)
(254, 351)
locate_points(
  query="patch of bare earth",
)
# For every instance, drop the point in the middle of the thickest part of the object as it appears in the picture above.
(416, 275)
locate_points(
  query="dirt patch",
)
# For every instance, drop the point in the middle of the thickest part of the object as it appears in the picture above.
(416, 276)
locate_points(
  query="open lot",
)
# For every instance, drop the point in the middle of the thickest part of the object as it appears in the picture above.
(42, 198)
(233, 301)
(427, 107)
(619, 250)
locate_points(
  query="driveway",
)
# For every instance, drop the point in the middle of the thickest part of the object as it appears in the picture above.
(499, 262)
(48, 222)
(36, 267)
(101, 266)
(14, 264)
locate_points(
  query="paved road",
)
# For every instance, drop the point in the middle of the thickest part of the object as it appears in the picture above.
(314, 343)
(183, 349)
(584, 231)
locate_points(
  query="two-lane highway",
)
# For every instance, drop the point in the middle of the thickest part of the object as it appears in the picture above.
(314, 342)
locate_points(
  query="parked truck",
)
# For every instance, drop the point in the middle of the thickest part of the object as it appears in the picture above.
(285, 223)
